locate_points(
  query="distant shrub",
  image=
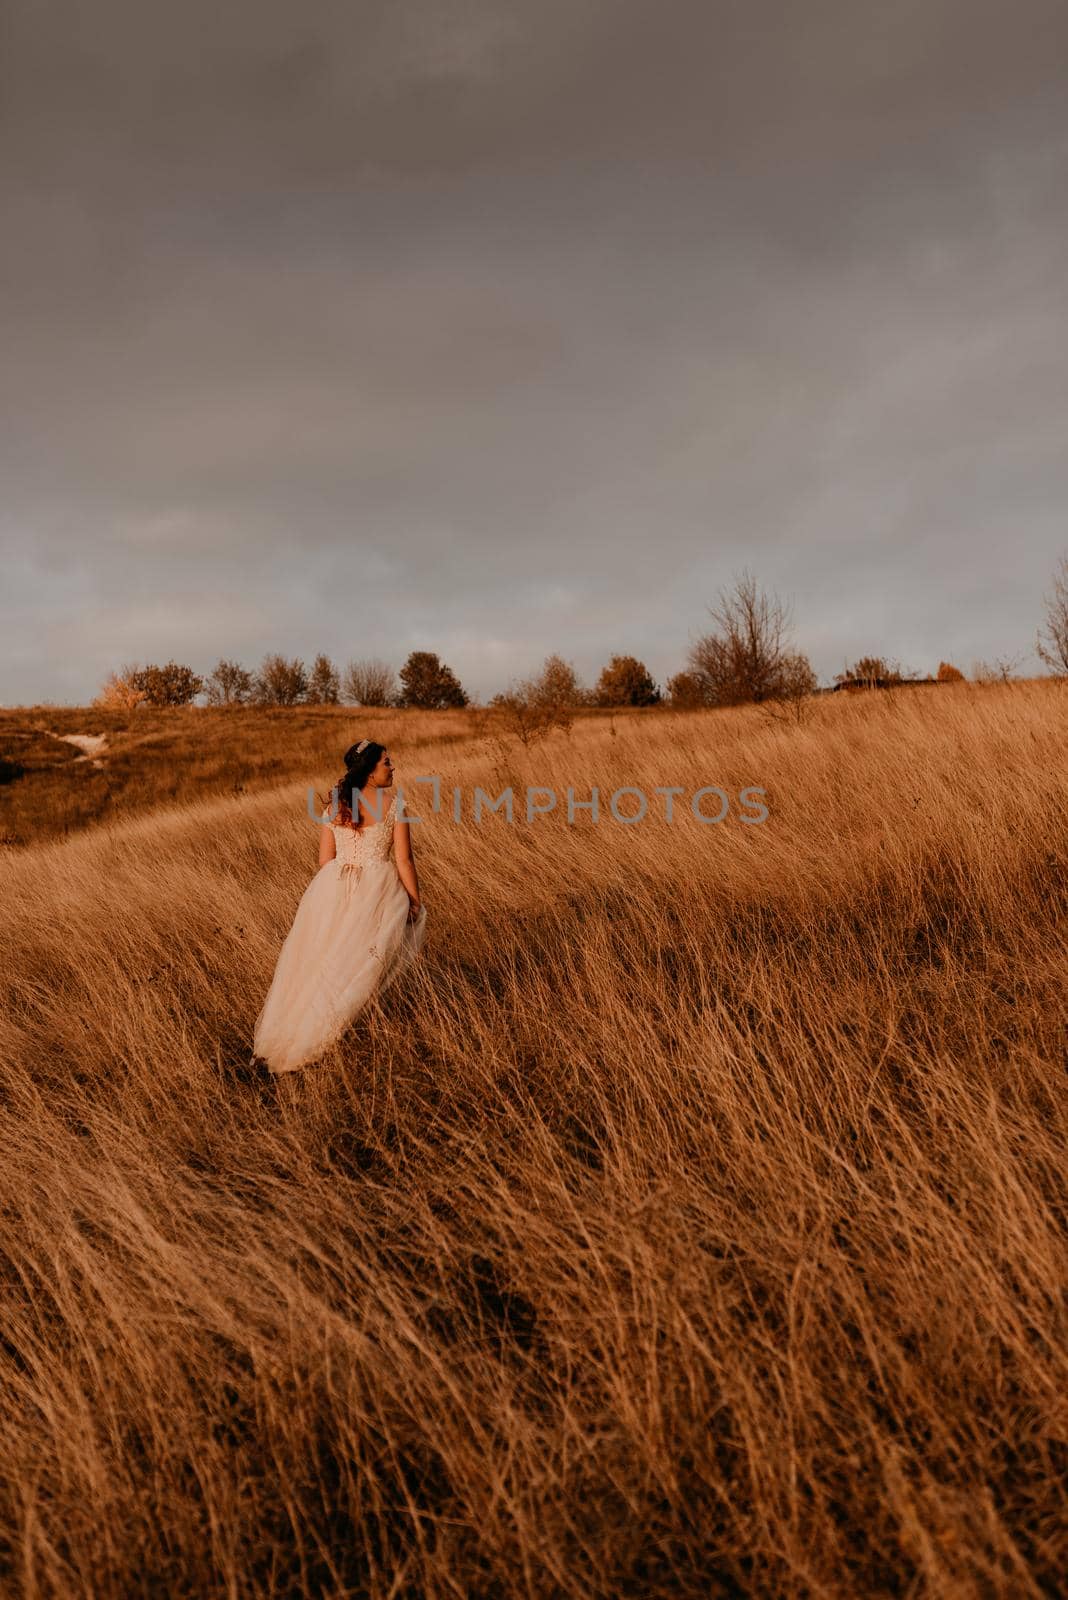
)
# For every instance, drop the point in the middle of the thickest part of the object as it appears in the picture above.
(685, 691)
(228, 684)
(532, 708)
(427, 684)
(1001, 670)
(870, 672)
(948, 673)
(796, 685)
(556, 686)
(119, 691)
(279, 682)
(324, 685)
(876, 672)
(169, 685)
(524, 719)
(626, 681)
(369, 683)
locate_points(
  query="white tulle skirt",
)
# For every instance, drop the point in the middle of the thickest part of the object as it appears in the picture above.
(350, 938)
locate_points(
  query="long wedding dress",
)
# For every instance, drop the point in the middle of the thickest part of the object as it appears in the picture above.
(350, 938)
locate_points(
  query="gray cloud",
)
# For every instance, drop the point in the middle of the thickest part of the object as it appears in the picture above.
(514, 328)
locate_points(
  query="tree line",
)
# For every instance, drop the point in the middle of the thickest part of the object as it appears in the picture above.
(748, 656)
(424, 683)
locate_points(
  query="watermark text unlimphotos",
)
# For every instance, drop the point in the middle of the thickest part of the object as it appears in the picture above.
(627, 805)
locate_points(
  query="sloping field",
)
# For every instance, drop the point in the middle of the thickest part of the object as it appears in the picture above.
(693, 1223)
(152, 757)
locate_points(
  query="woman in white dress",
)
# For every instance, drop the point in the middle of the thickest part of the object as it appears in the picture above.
(359, 923)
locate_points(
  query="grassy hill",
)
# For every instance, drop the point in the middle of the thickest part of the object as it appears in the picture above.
(691, 1223)
(153, 758)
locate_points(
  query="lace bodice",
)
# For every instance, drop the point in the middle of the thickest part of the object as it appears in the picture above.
(373, 842)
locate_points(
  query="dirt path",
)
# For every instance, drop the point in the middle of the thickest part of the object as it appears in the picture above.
(90, 744)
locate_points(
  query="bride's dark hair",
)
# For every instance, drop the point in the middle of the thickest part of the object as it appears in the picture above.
(361, 759)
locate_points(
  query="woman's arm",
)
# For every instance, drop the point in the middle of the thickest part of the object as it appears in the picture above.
(402, 850)
(327, 844)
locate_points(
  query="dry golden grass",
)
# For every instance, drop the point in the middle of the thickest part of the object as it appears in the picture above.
(692, 1223)
(158, 756)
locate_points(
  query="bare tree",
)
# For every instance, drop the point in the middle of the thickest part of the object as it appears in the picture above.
(228, 684)
(369, 683)
(280, 682)
(1001, 670)
(748, 657)
(1052, 643)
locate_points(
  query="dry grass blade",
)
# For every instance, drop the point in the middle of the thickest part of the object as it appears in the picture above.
(693, 1223)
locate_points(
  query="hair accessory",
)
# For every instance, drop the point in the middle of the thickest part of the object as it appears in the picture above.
(362, 745)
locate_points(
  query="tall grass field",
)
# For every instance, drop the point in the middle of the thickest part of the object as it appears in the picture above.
(690, 1222)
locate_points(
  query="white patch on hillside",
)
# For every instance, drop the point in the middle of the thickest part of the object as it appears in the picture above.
(90, 744)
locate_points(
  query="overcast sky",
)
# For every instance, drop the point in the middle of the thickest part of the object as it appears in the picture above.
(502, 328)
